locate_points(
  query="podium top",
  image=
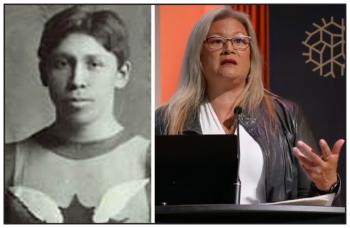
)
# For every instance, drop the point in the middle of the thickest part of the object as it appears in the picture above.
(250, 214)
(229, 208)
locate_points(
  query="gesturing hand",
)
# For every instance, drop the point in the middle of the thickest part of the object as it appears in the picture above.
(321, 169)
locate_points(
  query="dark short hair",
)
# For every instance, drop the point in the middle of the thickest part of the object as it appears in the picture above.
(104, 25)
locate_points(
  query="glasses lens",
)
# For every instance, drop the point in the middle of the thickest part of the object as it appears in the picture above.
(240, 42)
(215, 42)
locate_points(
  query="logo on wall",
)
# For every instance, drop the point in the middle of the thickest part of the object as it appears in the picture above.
(326, 48)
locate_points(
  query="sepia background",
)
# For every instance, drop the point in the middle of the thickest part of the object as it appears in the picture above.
(28, 107)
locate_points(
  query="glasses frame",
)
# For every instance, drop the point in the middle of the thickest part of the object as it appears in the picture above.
(229, 39)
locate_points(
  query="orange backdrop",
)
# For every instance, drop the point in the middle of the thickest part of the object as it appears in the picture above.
(175, 25)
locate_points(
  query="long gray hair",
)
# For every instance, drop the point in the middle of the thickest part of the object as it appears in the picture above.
(191, 92)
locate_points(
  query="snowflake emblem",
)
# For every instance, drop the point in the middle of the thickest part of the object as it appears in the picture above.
(326, 48)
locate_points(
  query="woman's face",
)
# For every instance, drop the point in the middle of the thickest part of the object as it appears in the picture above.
(226, 63)
(81, 76)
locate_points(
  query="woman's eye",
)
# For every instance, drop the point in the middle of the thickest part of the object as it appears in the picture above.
(240, 40)
(217, 41)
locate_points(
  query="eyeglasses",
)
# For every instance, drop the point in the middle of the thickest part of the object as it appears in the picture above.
(238, 42)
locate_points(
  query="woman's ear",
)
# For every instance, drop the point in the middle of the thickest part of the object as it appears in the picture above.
(123, 75)
(43, 76)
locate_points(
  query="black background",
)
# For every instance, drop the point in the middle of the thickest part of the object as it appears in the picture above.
(323, 99)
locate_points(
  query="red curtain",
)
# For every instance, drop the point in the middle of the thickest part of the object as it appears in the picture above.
(259, 15)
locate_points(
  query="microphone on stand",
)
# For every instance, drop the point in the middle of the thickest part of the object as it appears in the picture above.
(237, 111)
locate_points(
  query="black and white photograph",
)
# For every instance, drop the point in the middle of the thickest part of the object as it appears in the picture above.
(77, 113)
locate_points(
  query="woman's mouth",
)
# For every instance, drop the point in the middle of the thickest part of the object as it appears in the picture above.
(228, 62)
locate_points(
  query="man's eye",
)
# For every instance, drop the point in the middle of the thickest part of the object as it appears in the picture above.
(94, 64)
(60, 63)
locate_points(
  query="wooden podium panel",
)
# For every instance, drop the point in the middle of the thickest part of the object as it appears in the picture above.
(250, 214)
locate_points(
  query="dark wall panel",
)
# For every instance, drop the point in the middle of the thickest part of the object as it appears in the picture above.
(321, 91)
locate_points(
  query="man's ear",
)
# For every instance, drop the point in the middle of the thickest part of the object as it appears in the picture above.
(123, 75)
(43, 76)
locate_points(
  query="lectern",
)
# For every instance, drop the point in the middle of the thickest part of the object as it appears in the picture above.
(250, 214)
(195, 178)
(195, 169)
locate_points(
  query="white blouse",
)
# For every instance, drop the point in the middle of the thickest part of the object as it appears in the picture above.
(251, 158)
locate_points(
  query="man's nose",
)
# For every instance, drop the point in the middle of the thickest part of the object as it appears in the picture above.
(78, 77)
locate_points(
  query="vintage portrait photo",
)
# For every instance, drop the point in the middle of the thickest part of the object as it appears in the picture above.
(77, 110)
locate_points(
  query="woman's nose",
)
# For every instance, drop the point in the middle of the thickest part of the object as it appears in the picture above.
(228, 47)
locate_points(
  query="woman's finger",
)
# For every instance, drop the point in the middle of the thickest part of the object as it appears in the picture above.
(338, 146)
(326, 151)
(309, 152)
(302, 158)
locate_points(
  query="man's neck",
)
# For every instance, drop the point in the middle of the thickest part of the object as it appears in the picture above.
(86, 132)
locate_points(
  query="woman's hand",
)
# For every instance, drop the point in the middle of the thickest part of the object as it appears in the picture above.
(321, 169)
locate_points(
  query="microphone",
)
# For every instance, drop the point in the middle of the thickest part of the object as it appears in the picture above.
(237, 111)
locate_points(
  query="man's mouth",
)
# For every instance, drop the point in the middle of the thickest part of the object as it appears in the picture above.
(78, 101)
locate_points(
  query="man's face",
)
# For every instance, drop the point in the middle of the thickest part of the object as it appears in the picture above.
(81, 76)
